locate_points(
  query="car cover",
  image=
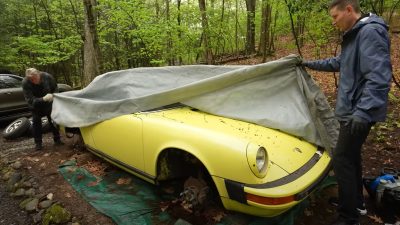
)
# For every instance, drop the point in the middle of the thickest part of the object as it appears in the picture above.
(277, 94)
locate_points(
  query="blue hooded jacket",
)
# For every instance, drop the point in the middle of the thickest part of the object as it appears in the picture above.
(365, 71)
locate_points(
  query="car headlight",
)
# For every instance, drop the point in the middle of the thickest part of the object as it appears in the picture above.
(257, 157)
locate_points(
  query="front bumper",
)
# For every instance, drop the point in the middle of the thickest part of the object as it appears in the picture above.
(275, 197)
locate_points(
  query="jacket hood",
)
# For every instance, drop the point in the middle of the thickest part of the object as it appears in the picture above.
(369, 19)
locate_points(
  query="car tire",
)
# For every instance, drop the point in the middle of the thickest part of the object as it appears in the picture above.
(45, 125)
(17, 128)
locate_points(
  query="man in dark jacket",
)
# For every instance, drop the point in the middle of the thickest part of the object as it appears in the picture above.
(38, 90)
(365, 75)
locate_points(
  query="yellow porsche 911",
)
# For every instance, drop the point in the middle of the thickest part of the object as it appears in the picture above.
(256, 170)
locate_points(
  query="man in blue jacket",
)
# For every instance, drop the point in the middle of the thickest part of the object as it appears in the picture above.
(365, 75)
(38, 88)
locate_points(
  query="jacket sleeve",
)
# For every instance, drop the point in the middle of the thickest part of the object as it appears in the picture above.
(49, 83)
(29, 97)
(375, 68)
(328, 65)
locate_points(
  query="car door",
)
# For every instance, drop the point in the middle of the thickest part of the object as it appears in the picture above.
(120, 139)
(11, 96)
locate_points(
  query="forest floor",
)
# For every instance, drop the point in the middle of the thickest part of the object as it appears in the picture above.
(381, 150)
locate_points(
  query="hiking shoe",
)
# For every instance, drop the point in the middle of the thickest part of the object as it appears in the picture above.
(361, 209)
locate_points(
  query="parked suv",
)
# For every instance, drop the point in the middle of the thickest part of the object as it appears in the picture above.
(12, 101)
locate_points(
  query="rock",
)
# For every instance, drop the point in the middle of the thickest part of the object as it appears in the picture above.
(20, 192)
(30, 192)
(7, 175)
(56, 214)
(182, 222)
(24, 202)
(38, 217)
(32, 205)
(45, 204)
(50, 196)
(14, 178)
(16, 165)
(27, 184)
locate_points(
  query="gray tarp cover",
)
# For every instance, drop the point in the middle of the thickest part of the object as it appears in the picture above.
(276, 94)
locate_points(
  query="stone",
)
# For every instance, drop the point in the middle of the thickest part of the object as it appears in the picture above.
(38, 216)
(45, 204)
(32, 205)
(56, 214)
(7, 175)
(24, 202)
(20, 192)
(14, 178)
(50, 196)
(16, 165)
(27, 184)
(30, 192)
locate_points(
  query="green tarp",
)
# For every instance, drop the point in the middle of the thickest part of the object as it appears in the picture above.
(138, 202)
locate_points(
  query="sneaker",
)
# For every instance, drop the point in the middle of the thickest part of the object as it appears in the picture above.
(38, 147)
(361, 209)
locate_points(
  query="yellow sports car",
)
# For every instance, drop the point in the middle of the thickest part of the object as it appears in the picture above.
(256, 170)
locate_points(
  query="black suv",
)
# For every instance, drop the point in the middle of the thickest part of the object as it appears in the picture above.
(12, 101)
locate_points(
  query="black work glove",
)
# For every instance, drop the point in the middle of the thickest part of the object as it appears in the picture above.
(358, 124)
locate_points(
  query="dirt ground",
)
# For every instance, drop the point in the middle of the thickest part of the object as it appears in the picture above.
(382, 150)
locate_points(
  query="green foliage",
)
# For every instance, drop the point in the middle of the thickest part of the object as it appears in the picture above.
(133, 33)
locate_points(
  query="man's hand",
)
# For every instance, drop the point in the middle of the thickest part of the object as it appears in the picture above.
(358, 125)
(48, 98)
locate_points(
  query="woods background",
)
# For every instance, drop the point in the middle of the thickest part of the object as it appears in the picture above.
(76, 40)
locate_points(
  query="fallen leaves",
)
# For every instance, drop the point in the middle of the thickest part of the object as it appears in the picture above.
(95, 167)
(93, 183)
(123, 181)
(375, 218)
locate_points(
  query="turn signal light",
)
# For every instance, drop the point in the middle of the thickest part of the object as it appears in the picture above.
(269, 200)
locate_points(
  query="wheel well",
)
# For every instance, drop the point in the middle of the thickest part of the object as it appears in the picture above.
(176, 163)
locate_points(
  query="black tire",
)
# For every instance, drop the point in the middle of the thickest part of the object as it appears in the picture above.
(17, 128)
(45, 125)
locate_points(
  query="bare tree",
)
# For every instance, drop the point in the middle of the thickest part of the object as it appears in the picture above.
(204, 22)
(251, 27)
(91, 62)
(265, 28)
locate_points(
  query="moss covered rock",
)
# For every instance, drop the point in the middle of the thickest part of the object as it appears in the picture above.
(56, 214)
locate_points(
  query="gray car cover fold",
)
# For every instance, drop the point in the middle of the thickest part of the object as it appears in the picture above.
(276, 94)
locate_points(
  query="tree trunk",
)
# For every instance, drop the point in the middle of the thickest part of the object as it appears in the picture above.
(237, 28)
(265, 28)
(170, 57)
(91, 62)
(251, 27)
(208, 56)
(179, 27)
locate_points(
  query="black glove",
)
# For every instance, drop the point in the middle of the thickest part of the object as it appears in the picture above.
(358, 125)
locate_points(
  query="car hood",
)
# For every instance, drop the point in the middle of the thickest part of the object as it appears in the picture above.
(284, 150)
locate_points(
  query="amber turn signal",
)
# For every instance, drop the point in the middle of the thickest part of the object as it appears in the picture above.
(269, 200)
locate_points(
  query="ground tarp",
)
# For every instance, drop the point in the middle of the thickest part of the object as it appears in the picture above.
(139, 202)
(277, 94)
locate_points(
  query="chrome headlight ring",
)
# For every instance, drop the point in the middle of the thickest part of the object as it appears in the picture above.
(257, 158)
